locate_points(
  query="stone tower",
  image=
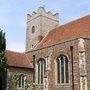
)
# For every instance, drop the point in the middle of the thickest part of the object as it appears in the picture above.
(38, 25)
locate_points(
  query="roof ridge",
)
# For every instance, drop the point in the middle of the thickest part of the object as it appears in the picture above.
(18, 59)
(78, 27)
(75, 20)
(15, 52)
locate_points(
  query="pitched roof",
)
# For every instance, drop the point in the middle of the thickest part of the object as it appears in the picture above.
(18, 59)
(77, 28)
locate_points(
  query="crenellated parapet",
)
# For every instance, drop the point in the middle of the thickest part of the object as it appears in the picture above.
(42, 12)
(39, 23)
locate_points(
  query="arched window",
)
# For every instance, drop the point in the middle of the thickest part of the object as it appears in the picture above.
(33, 29)
(41, 70)
(21, 81)
(62, 69)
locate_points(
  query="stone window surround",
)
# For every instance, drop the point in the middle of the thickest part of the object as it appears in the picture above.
(44, 65)
(69, 63)
(33, 29)
(21, 78)
(36, 71)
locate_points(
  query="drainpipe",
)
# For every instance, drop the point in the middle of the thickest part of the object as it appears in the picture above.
(71, 49)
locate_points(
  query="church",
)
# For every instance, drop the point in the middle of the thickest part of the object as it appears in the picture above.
(57, 57)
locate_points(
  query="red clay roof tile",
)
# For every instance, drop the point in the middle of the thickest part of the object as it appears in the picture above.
(18, 59)
(77, 28)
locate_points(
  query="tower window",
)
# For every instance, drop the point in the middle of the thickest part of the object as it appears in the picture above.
(33, 29)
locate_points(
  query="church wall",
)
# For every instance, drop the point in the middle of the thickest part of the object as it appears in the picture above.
(55, 51)
(28, 73)
(87, 51)
(48, 24)
(32, 37)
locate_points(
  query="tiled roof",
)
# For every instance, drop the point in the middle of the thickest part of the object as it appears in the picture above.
(18, 59)
(77, 28)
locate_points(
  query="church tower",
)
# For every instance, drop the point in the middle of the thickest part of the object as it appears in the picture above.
(38, 25)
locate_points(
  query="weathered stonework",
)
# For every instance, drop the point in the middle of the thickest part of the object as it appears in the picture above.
(76, 63)
(82, 64)
(87, 54)
(43, 22)
(52, 53)
(15, 70)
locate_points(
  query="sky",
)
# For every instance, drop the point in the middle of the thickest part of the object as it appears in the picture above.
(13, 16)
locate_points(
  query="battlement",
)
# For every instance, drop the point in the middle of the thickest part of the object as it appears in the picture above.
(43, 22)
(42, 12)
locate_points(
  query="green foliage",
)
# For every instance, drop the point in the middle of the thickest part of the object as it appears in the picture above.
(3, 59)
(12, 84)
(15, 80)
(27, 86)
(2, 42)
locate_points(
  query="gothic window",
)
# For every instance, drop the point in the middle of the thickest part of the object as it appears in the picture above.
(21, 81)
(62, 69)
(33, 29)
(41, 70)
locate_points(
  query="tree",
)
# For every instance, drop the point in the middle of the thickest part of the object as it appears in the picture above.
(3, 59)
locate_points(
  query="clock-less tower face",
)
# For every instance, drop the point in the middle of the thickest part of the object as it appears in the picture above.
(38, 25)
